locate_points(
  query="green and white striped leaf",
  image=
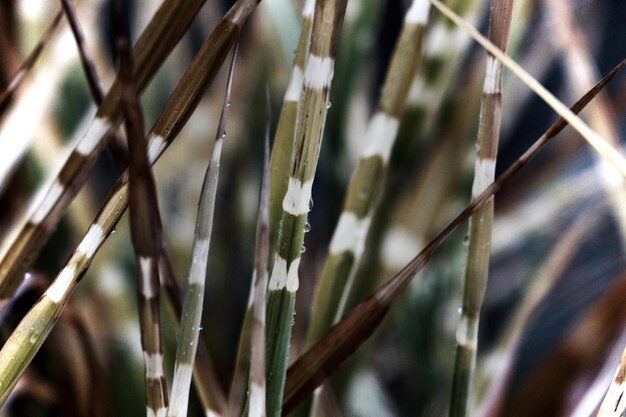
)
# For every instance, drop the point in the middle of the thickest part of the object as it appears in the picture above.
(481, 221)
(283, 284)
(190, 323)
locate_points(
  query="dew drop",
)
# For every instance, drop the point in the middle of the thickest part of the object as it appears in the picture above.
(459, 310)
(302, 249)
(310, 204)
(328, 105)
(307, 227)
(27, 275)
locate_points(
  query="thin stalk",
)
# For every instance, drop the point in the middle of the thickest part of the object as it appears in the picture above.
(253, 316)
(599, 143)
(146, 230)
(280, 163)
(257, 386)
(191, 317)
(332, 349)
(314, 103)
(614, 402)
(205, 378)
(117, 144)
(364, 189)
(156, 42)
(17, 352)
(481, 222)
(29, 62)
(282, 148)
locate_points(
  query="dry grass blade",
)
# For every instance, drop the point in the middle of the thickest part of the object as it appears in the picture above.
(191, 318)
(29, 62)
(325, 356)
(614, 403)
(93, 80)
(117, 144)
(599, 143)
(145, 222)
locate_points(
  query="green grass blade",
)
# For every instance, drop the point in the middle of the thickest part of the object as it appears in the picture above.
(204, 374)
(190, 322)
(327, 21)
(481, 222)
(367, 180)
(282, 149)
(255, 314)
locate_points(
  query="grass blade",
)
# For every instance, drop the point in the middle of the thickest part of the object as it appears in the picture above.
(257, 388)
(327, 21)
(254, 315)
(329, 352)
(145, 226)
(189, 331)
(29, 62)
(367, 180)
(117, 144)
(614, 402)
(481, 222)
(282, 149)
(205, 379)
